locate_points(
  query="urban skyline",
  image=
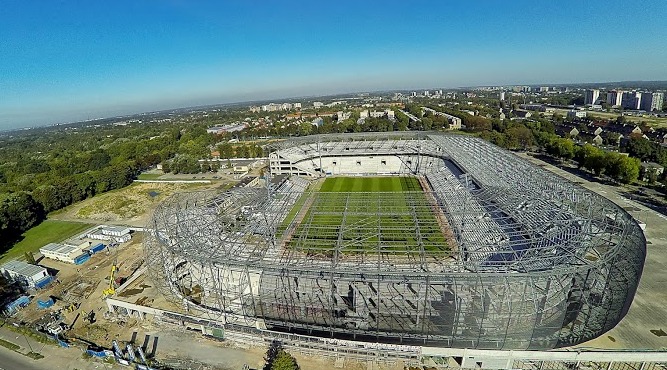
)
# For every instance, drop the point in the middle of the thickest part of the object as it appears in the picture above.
(71, 62)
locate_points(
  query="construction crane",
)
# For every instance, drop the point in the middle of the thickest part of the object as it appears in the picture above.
(111, 290)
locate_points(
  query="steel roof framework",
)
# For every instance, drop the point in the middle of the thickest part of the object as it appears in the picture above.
(526, 260)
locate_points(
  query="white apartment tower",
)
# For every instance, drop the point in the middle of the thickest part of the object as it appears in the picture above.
(591, 96)
(652, 101)
(631, 100)
(614, 98)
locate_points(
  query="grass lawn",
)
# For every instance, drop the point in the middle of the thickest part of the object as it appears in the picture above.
(370, 184)
(149, 176)
(47, 232)
(365, 214)
(655, 122)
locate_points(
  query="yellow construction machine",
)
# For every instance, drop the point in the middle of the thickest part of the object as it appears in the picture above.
(111, 290)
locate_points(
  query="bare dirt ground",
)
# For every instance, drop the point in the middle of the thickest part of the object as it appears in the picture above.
(83, 286)
(131, 205)
(221, 355)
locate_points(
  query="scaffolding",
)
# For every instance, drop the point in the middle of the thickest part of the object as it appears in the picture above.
(492, 253)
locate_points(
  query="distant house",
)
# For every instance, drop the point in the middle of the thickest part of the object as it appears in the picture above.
(241, 169)
(233, 127)
(522, 114)
(566, 131)
(591, 138)
(596, 130)
(625, 129)
(455, 123)
(215, 130)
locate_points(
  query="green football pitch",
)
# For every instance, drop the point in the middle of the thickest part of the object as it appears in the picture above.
(370, 184)
(362, 215)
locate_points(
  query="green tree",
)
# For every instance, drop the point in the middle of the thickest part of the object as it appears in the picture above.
(98, 160)
(519, 136)
(284, 361)
(29, 257)
(226, 150)
(562, 148)
(278, 359)
(612, 138)
(594, 159)
(628, 169)
(18, 212)
(47, 196)
(641, 148)
(583, 153)
(476, 123)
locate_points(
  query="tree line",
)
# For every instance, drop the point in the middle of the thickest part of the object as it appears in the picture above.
(539, 133)
(51, 169)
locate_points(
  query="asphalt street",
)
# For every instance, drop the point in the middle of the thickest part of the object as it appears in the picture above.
(10, 360)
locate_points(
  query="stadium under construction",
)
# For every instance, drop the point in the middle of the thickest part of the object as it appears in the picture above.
(474, 248)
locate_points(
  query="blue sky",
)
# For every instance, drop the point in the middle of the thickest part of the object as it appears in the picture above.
(70, 60)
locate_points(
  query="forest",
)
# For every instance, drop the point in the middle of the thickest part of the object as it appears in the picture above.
(49, 169)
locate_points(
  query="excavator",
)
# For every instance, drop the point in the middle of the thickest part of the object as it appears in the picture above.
(111, 290)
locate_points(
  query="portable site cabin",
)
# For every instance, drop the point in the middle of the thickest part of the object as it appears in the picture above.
(30, 276)
(117, 233)
(65, 252)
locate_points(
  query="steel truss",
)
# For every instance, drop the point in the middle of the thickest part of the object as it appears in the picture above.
(496, 253)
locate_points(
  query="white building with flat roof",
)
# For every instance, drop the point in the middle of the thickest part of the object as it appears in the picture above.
(24, 273)
(115, 230)
(62, 252)
(119, 234)
(574, 114)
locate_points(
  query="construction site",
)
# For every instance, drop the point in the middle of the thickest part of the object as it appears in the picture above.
(454, 267)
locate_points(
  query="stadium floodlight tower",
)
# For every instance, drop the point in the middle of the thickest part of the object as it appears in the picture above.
(416, 238)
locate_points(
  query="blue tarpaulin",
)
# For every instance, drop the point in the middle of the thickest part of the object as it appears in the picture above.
(18, 303)
(97, 248)
(101, 353)
(61, 342)
(45, 304)
(43, 282)
(81, 259)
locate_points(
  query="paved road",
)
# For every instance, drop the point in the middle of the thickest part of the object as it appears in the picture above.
(10, 360)
(55, 358)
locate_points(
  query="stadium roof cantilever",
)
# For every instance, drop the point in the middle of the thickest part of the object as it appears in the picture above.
(311, 139)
